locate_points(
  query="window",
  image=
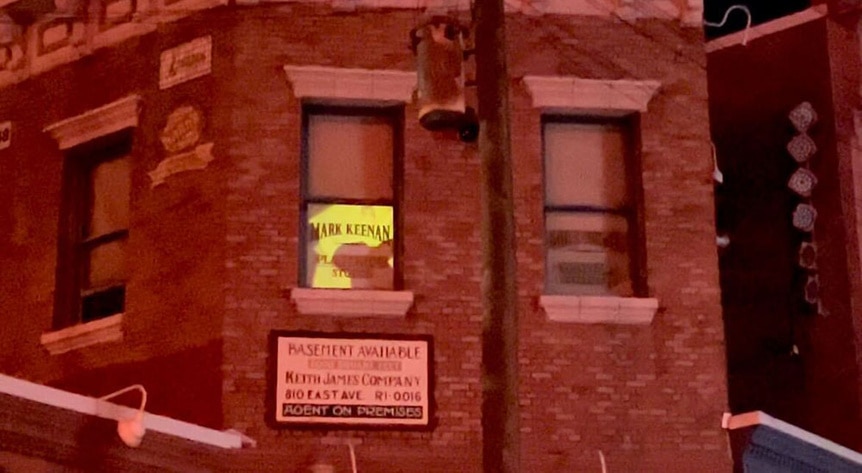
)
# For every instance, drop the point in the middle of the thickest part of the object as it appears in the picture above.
(350, 192)
(593, 227)
(92, 266)
(90, 288)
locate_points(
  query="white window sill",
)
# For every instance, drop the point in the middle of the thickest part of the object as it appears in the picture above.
(599, 309)
(352, 302)
(109, 329)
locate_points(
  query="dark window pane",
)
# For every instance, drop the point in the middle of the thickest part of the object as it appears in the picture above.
(587, 254)
(107, 264)
(103, 304)
(350, 157)
(109, 184)
(592, 274)
(585, 165)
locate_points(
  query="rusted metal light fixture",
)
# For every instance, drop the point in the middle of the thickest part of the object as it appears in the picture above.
(439, 47)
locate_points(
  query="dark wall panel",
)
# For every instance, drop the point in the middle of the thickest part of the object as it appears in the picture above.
(752, 89)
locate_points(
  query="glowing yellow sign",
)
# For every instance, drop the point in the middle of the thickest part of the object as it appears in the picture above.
(350, 246)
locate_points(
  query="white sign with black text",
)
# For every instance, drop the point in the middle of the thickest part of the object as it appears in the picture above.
(186, 62)
(348, 380)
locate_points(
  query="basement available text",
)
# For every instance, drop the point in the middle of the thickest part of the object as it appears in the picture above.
(350, 351)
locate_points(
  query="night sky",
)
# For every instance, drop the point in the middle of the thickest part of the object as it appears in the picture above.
(761, 12)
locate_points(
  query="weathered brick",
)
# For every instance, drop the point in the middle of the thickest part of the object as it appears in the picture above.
(220, 245)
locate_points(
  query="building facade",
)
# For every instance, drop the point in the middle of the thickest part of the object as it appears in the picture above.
(784, 97)
(201, 197)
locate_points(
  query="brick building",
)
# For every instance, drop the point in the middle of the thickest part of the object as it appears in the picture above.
(791, 322)
(184, 178)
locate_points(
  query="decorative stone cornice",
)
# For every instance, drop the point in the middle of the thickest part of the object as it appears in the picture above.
(575, 93)
(351, 84)
(101, 121)
(687, 12)
(77, 38)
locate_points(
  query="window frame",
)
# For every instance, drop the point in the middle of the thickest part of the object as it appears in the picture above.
(76, 209)
(633, 210)
(395, 115)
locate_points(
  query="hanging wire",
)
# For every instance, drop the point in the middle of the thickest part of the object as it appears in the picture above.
(717, 175)
(133, 387)
(352, 457)
(727, 14)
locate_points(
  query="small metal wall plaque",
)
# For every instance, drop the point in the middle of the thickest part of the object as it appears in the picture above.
(185, 62)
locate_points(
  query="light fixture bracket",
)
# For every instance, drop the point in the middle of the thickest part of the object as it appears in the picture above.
(131, 431)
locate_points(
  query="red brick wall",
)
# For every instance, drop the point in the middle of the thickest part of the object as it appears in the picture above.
(646, 396)
(846, 73)
(649, 397)
(218, 248)
(174, 297)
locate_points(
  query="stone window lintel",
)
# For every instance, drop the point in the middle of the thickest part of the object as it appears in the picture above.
(570, 93)
(97, 122)
(337, 83)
